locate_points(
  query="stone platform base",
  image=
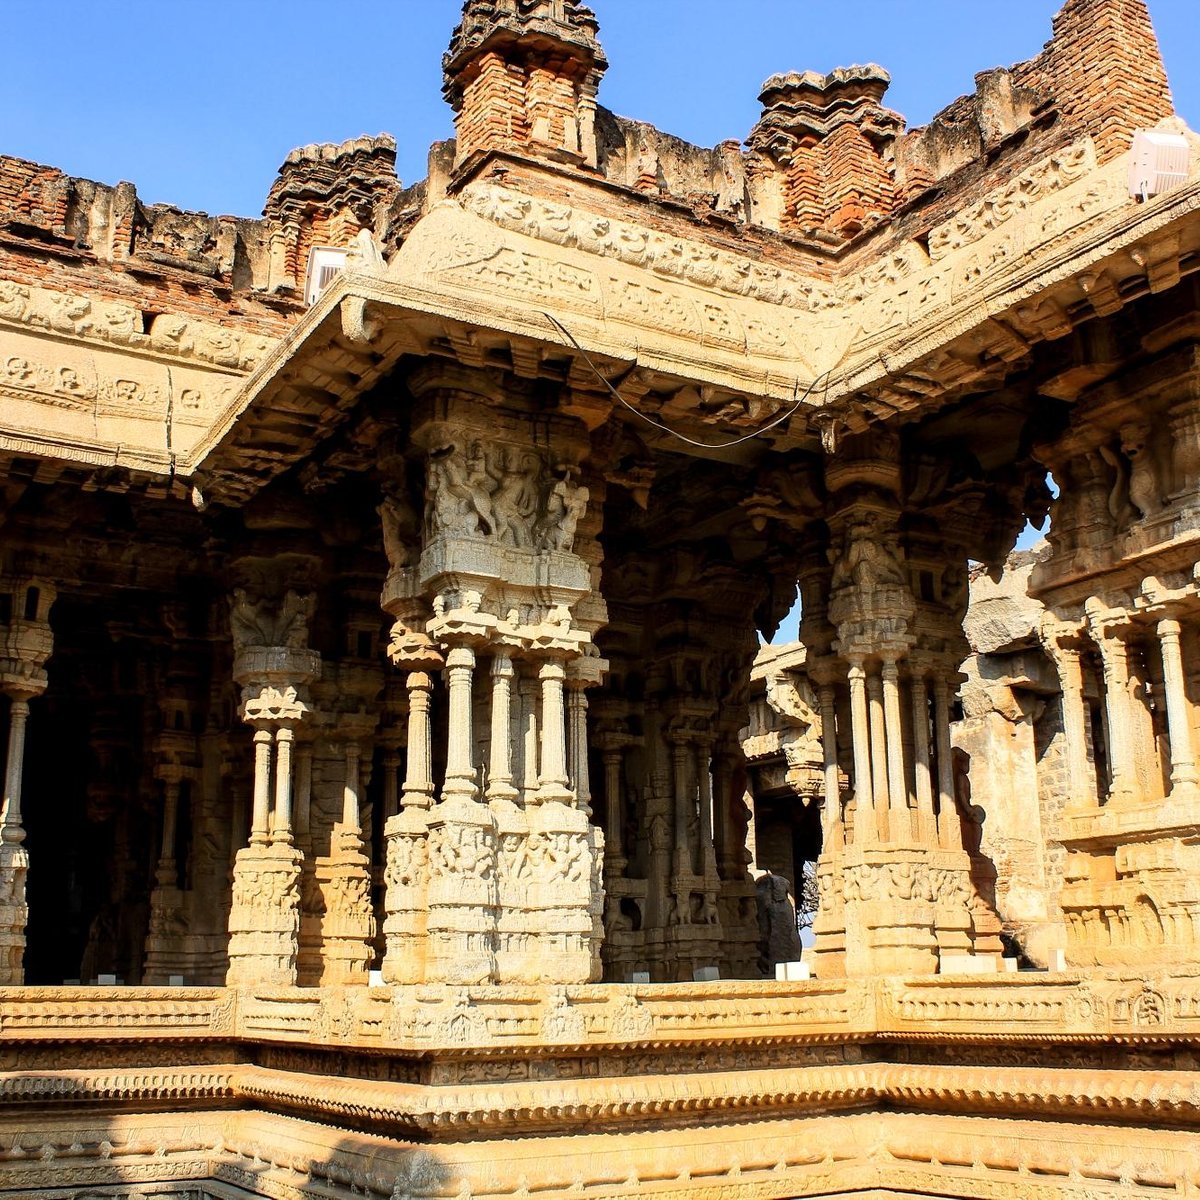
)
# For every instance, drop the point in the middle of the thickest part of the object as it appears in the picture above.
(1027, 1086)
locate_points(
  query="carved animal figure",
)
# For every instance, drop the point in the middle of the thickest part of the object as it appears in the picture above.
(565, 505)
(401, 530)
(869, 562)
(247, 622)
(291, 626)
(1145, 489)
(1119, 506)
(254, 625)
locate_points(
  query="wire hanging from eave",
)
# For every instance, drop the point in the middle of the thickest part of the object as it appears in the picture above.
(738, 441)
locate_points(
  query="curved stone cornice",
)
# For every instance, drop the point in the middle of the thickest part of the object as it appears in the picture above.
(896, 330)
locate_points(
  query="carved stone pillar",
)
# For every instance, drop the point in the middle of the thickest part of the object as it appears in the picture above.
(11, 830)
(1114, 655)
(14, 858)
(274, 670)
(351, 817)
(730, 864)
(260, 813)
(418, 776)
(922, 778)
(564, 890)
(553, 784)
(406, 873)
(281, 826)
(948, 824)
(347, 921)
(1185, 782)
(25, 645)
(577, 744)
(708, 858)
(490, 569)
(166, 939)
(461, 939)
(619, 934)
(1081, 791)
(460, 767)
(684, 799)
(167, 870)
(500, 775)
(899, 823)
(264, 919)
(860, 736)
(831, 818)
(530, 740)
(879, 755)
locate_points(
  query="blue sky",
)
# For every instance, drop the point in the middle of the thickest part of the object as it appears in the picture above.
(198, 103)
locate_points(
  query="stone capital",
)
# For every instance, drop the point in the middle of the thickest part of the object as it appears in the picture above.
(273, 705)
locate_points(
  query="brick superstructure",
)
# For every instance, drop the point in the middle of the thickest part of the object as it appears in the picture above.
(1105, 72)
(323, 195)
(523, 76)
(69, 234)
(829, 139)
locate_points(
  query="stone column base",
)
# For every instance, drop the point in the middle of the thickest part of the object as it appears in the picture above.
(895, 909)
(829, 924)
(347, 923)
(14, 912)
(264, 922)
(560, 921)
(406, 902)
(462, 893)
(167, 943)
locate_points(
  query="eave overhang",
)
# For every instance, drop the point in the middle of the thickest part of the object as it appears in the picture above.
(481, 275)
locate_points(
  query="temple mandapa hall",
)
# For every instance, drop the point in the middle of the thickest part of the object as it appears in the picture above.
(399, 801)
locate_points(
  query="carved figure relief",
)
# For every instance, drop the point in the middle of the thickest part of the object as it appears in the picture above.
(1120, 507)
(565, 505)
(260, 624)
(515, 501)
(462, 851)
(401, 529)
(407, 860)
(459, 495)
(501, 493)
(868, 560)
(1145, 487)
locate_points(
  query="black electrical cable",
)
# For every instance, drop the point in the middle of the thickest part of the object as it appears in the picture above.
(796, 406)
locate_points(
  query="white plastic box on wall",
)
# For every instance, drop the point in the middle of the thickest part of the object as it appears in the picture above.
(1158, 162)
(325, 263)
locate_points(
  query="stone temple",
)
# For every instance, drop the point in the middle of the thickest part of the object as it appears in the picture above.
(393, 804)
